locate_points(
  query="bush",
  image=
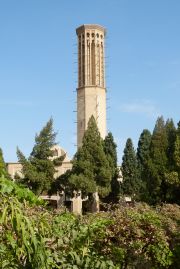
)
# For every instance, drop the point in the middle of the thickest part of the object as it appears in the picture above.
(127, 237)
(10, 188)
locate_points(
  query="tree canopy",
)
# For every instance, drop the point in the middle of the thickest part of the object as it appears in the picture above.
(91, 171)
(39, 169)
(130, 183)
(3, 169)
(143, 151)
(158, 158)
(110, 149)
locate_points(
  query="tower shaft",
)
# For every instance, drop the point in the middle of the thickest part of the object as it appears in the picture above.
(91, 91)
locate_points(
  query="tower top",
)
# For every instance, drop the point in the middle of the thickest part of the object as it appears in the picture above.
(84, 27)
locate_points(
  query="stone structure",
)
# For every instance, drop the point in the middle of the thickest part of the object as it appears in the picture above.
(91, 91)
(95, 203)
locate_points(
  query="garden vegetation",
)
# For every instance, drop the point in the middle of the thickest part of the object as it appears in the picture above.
(142, 235)
(137, 236)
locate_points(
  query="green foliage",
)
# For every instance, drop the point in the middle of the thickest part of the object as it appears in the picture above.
(170, 216)
(44, 142)
(20, 244)
(143, 147)
(111, 154)
(82, 182)
(91, 171)
(3, 169)
(136, 239)
(77, 247)
(171, 137)
(39, 168)
(159, 145)
(172, 178)
(158, 158)
(177, 149)
(8, 187)
(31, 237)
(127, 237)
(171, 182)
(143, 152)
(177, 153)
(157, 164)
(175, 188)
(130, 183)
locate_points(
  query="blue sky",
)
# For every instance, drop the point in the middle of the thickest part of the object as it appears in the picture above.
(38, 71)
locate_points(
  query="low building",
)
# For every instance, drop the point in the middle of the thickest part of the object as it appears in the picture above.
(15, 168)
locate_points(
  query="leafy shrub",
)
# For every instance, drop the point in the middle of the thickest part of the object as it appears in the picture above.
(21, 242)
(126, 237)
(136, 239)
(170, 217)
(10, 188)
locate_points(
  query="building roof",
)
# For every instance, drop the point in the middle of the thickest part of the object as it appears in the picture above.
(81, 28)
(58, 152)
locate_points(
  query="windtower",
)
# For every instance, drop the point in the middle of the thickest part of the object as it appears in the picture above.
(91, 90)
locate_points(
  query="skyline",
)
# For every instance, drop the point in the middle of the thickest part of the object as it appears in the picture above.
(38, 76)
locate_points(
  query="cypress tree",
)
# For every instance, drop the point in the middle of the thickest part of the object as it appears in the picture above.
(130, 184)
(39, 168)
(3, 169)
(175, 180)
(144, 147)
(171, 138)
(177, 149)
(171, 175)
(157, 164)
(111, 154)
(91, 171)
(143, 151)
(44, 142)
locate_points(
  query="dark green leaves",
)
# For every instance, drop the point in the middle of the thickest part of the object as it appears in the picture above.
(39, 169)
(91, 171)
(130, 174)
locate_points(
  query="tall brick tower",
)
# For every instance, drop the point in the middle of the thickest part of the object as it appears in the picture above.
(91, 91)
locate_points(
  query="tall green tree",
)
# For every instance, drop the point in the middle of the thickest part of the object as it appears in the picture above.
(174, 180)
(3, 169)
(91, 171)
(177, 149)
(144, 147)
(157, 164)
(130, 171)
(171, 138)
(111, 154)
(38, 170)
(171, 175)
(143, 152)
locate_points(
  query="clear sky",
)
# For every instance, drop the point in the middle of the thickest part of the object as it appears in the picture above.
(38, 70)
